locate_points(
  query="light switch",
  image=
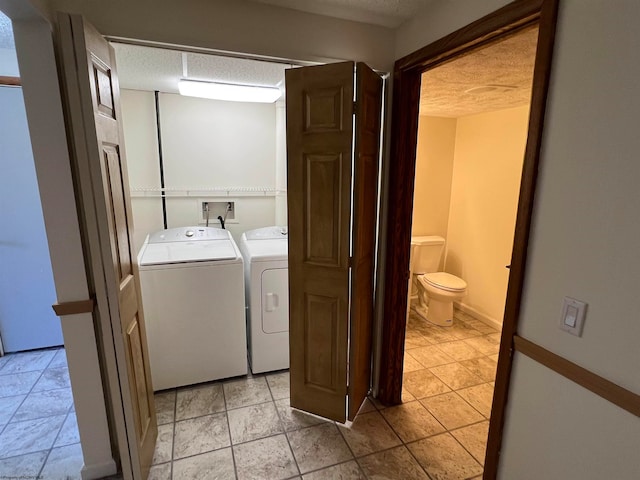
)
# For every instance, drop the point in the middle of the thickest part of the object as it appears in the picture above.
(573, 313)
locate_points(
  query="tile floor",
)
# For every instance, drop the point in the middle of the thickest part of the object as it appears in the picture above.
(38, 430)
(245, 428)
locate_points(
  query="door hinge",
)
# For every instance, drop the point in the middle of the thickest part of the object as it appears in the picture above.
(355, 104)
(350, 263)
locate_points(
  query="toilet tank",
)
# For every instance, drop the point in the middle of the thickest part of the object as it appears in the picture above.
(426, 253)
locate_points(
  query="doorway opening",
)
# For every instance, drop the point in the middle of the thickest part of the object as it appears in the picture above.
(472, 131)
(37, 417)
(501, 24)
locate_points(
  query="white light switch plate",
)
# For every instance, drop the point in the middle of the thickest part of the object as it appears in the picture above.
(572, 318)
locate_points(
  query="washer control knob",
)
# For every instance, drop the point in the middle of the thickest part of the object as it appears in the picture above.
(189, 233)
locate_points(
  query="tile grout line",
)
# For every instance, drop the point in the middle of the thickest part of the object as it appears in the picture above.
(226, 414)
(284, 430)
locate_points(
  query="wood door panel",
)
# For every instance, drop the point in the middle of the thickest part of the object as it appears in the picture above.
(322, 206)
(323, 110)
(92, 94)
(366, 151)
(321, 352)
(319, 130)
(138, 378)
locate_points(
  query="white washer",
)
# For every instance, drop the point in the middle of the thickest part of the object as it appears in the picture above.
(267, 295)
(193, 297)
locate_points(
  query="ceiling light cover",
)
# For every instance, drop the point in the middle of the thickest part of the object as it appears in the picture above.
(228, 92)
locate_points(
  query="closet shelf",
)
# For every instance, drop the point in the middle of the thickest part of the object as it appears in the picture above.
(188, 192)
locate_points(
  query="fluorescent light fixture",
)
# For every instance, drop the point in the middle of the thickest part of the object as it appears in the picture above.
(229, 92)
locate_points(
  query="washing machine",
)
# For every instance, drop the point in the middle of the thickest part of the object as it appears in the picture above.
(192, 285)
(267, 296)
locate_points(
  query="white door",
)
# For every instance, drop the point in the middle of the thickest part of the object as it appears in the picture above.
(27, 291)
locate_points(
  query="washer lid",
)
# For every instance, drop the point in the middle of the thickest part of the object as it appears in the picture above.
(187, 251)
(445, 281)
(267, 233)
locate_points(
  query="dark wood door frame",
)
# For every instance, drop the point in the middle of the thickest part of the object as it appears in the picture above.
(406, 95)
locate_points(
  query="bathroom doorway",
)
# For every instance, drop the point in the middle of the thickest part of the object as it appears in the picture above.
(472, 133)
(501, 24)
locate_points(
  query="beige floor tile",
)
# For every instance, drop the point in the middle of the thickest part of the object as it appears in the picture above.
(367, 406)
(414, 338)
(344, 471)
(44, 404)
(430, 356)
(410, 364)
(474, 439)
(480, 326)
(483, 367)
(29, 436)
(198, 401)
(251, 423)
(438, 334)
(245, 392)
(484, 344)
(24, 466)
(164, 444)
(53, 378)
(459, 350)
(369, 433)
(293, 419)
(279, 385)
(455, 376)
(461, 330)
(451, 410)
(64, 462)
(200, 435)
(396, 463)
(27, 361)
(412, 421)
(479, 397)
(407, 396)
(444, 458)
(8, 406)
(423, 383)
(212, 465)
(165, 406)
(160, 472)
(318, 447)
(266, 459)
(17, 383)
(59, 359)
(69, 432)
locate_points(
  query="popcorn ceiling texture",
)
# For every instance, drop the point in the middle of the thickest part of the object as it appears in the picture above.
(507, 66)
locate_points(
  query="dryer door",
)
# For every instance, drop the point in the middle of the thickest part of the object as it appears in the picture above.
(275, 300)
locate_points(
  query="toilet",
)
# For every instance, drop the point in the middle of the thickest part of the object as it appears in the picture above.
(436, 290)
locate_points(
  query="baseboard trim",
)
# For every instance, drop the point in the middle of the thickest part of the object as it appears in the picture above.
(492, 322)
(99, 470)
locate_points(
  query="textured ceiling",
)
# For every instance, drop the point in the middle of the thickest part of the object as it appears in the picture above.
(147, 68)
(6, 32)
(492, 78)
(388, 13)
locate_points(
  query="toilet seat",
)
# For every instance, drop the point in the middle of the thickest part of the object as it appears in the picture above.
(444, 281)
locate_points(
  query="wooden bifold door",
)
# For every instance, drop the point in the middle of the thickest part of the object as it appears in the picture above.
(333, 141)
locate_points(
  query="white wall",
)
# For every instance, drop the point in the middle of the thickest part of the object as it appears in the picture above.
(27, 291)
(8, 63)
(141, 146)
(487, 167)
(240, 26)
(206, 144)
(584, 242)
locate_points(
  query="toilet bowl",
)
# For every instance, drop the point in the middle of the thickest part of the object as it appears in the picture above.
(436, 294)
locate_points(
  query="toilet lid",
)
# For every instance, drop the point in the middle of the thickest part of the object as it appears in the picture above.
(445, 281)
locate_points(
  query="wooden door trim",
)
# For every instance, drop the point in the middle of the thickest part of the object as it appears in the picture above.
(10, 81)
(499, 24)
(623, 398)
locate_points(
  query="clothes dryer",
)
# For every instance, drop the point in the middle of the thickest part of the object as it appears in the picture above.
(265, 252)
(192, 285)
